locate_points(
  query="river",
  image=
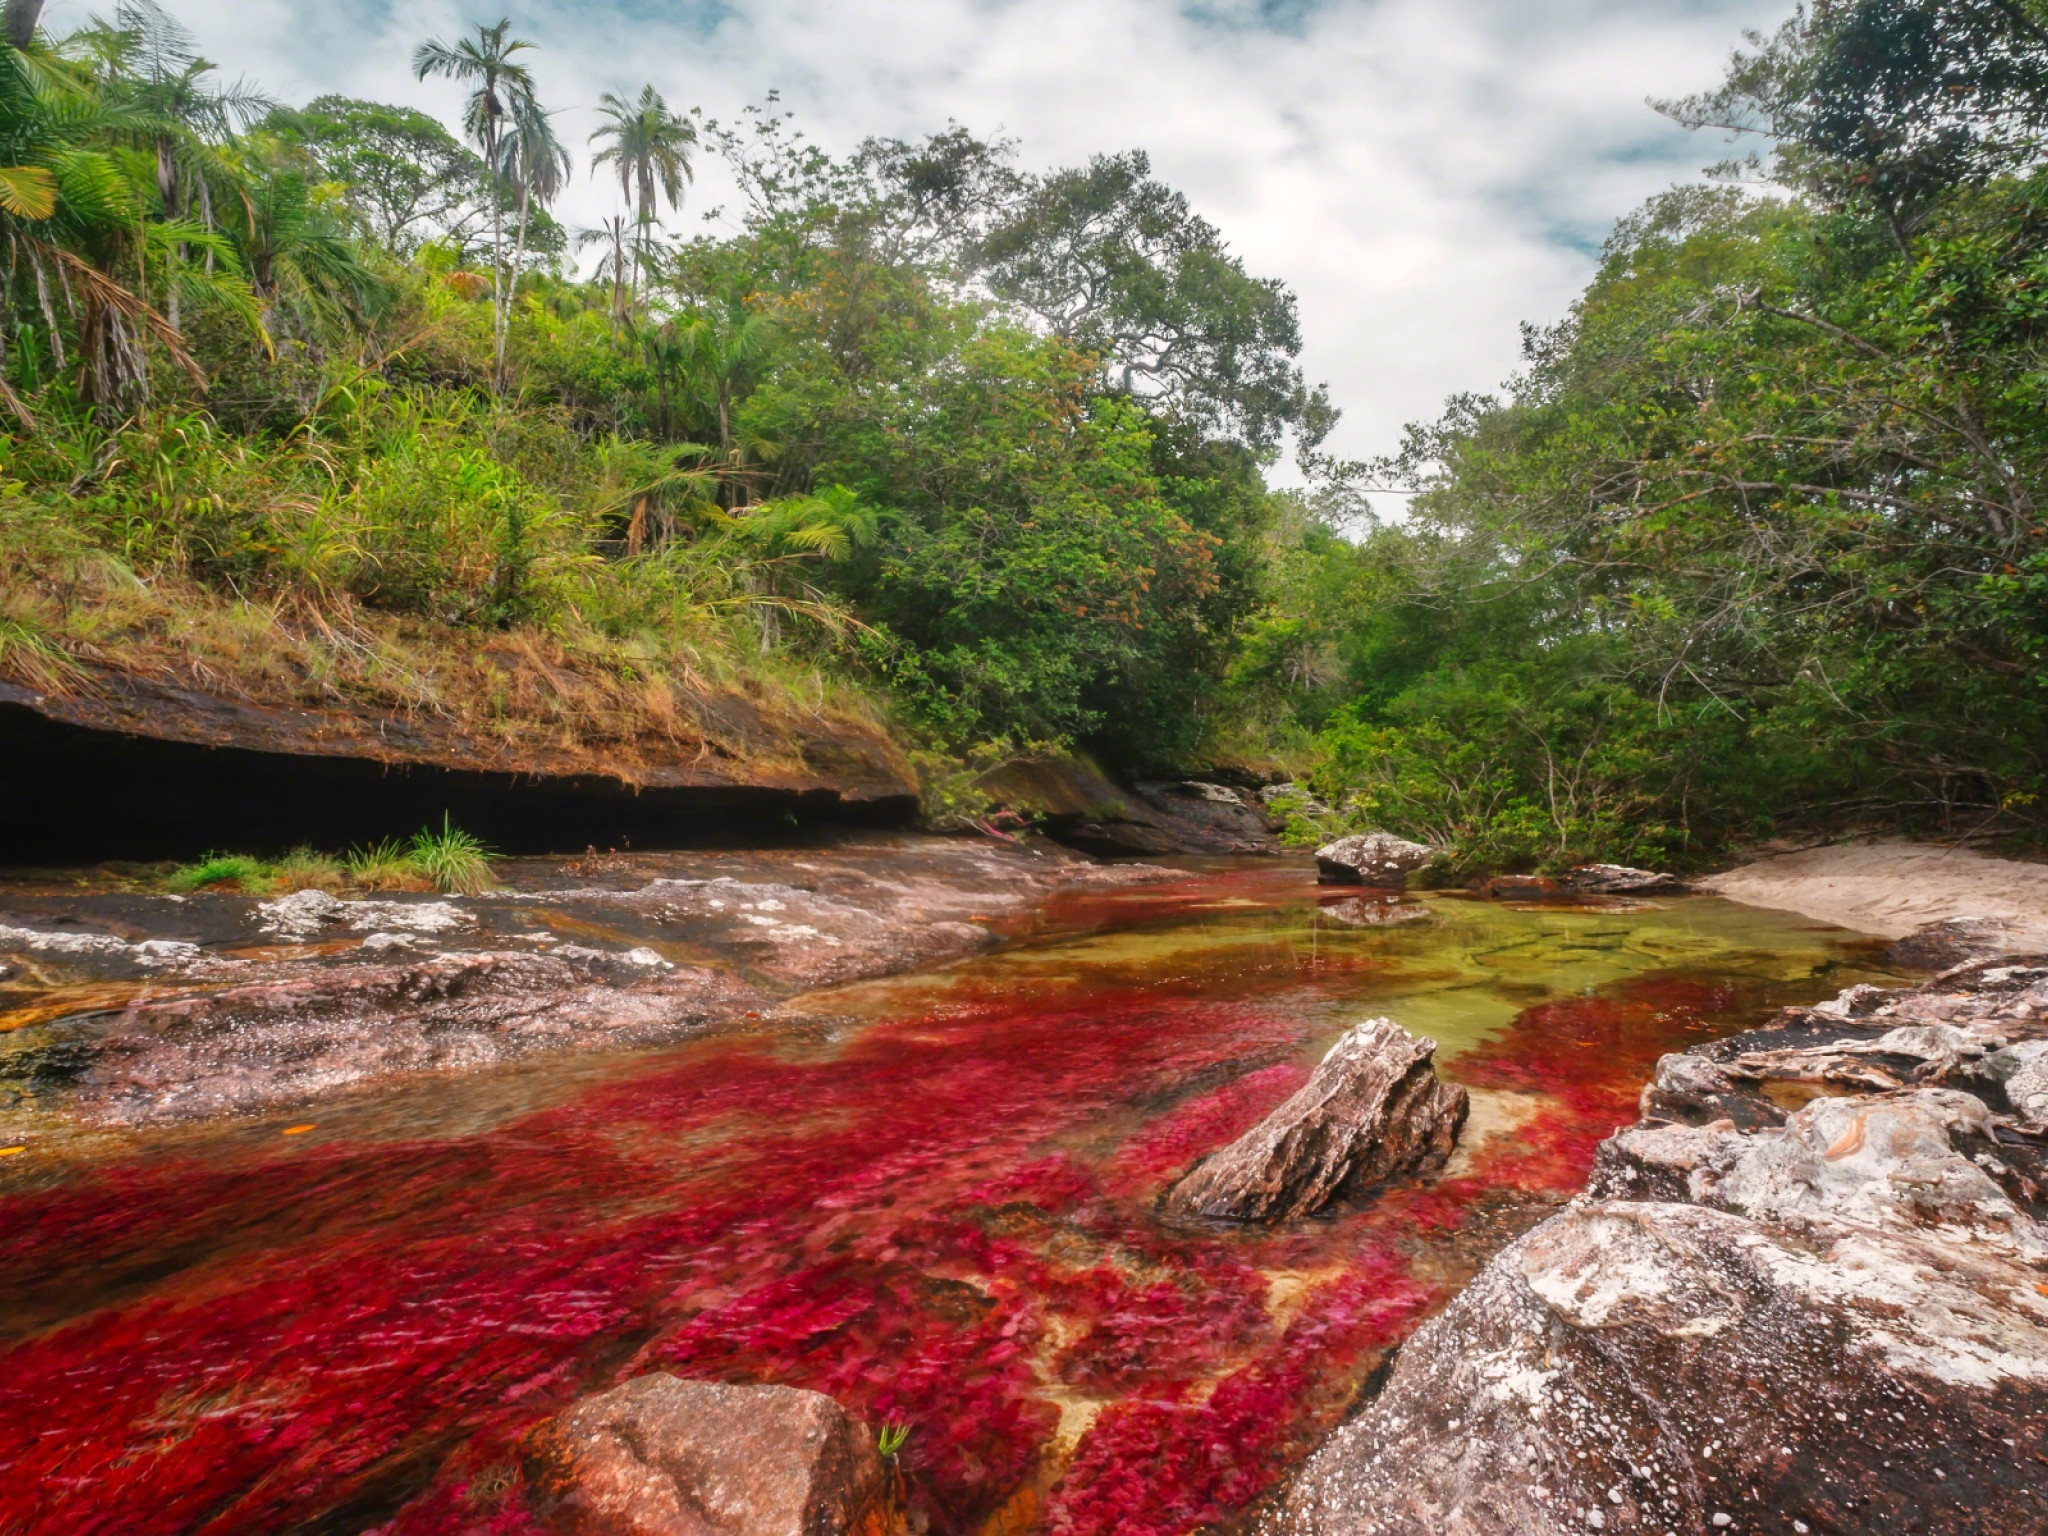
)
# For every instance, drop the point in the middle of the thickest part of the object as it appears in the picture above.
(931, 1197)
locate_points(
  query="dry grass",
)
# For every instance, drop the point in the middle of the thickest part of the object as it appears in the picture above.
(565, 689)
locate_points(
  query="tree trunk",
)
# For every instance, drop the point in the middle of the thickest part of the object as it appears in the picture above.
(497, 235)
(518, 260)
(22, 16)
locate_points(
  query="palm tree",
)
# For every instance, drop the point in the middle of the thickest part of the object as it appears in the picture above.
(722, 351)
(79, 216)
(502, 95)
(612, 265)
(650, 149)
(296, 251)
(537, 163)
(151, 68)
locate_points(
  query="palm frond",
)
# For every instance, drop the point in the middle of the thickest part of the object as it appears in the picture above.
(28, 191)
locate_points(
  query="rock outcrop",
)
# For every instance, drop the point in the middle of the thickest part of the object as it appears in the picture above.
(1809, 1293)
(136, 1009)
(1374, 1109)
(135, 767)
(661, 1456)
(1370, 858)
(1076, 803)
(1209, 818)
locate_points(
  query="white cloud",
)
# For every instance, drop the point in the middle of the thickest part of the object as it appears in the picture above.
(1424, 173)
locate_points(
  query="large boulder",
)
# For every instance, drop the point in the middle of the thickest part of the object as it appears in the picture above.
(661, 1456)
(1804, 1295)
(1373, 1109)
(1370, 858)
(1662, 1368)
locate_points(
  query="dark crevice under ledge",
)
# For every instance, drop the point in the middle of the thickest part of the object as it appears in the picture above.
(138, 769)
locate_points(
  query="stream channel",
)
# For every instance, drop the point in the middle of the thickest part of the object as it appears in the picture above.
(930, 1196)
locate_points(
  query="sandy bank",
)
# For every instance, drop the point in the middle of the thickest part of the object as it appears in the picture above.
(1893, 888)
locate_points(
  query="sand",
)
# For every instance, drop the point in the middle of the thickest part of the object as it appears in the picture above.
(1892, 888)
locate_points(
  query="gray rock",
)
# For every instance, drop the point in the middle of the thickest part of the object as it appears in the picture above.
(1370, 858)
(1373, 1109)
(1810, 1316)
(1650, 1367)
(2022, 1071)
(661, 1456)
(1291, 799)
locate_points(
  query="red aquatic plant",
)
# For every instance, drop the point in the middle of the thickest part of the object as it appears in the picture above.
(947, 1221)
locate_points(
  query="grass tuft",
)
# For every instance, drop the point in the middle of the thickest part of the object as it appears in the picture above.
(452, 859)
(386, 866)
(308, 869)
(221, 871)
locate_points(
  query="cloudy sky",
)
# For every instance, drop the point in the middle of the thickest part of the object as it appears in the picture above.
(1426, 174)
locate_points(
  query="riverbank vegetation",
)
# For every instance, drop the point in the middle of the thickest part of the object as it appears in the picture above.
(320, 403)
(443, 859)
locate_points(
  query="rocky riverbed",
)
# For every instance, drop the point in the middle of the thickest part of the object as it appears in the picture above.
(130, 1009)
(1807, 1293)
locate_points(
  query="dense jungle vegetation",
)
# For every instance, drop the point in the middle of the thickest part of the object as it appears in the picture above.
(322, 401)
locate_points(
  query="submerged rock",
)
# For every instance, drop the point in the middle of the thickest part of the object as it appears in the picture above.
(1805, 1294)
(1620, 880)
(661, 1456)
(1199, 817)
(1519, 888)
(1370, 858)
(234, 1006)
(1374, 1109)
(1955, 941)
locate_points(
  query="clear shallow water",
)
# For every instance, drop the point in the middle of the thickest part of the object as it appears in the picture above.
(930, 1197)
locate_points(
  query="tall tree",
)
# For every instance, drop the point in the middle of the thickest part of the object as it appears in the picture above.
(501, 94)
(1889, 104)
(1121, 264)
(649, 146)
(538, 166)
(404, 174)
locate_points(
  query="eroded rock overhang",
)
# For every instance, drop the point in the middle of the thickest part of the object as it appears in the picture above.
(130, 767)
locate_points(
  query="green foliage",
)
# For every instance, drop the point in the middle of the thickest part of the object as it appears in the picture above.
(1119, 263)
(405, 176)
(1756, 537)
(451, 859)
(447, 860)
(312, 385)
(216, 869)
